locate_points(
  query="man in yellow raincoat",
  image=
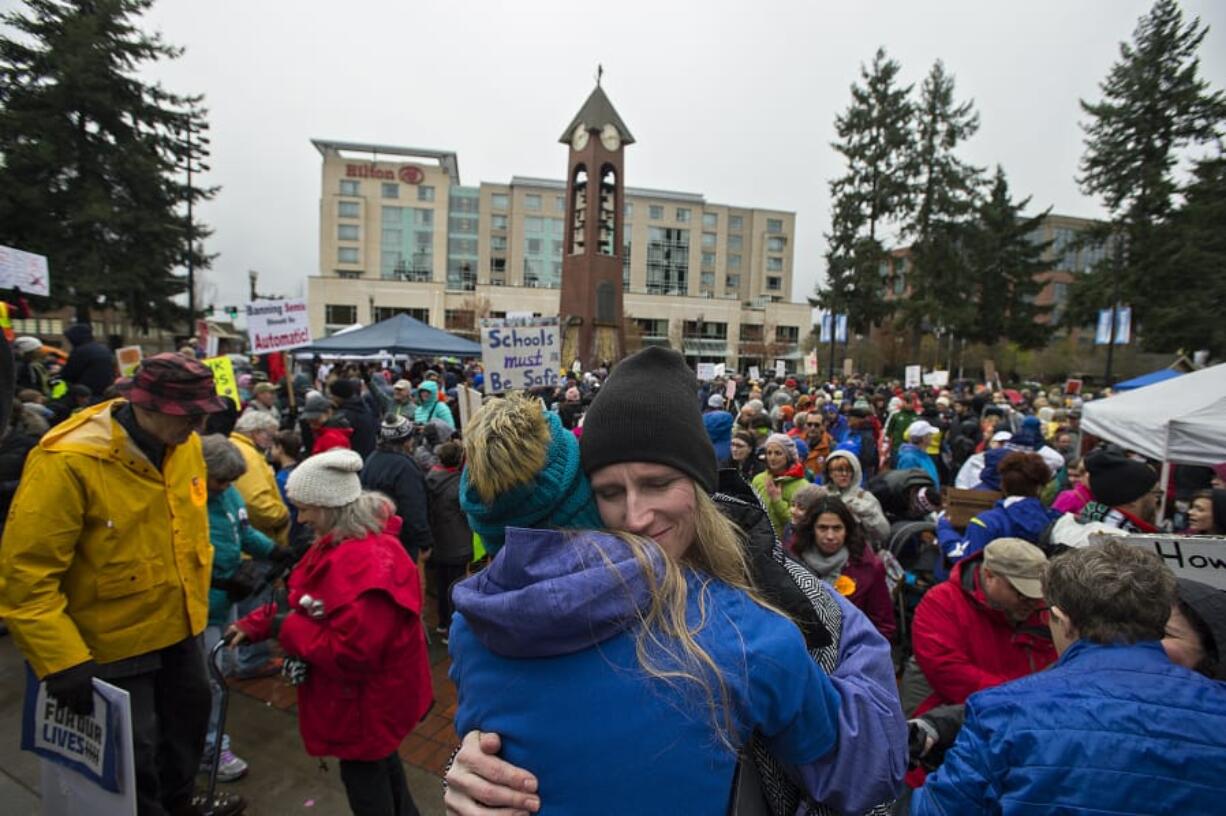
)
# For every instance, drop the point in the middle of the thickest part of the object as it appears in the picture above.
(105, 567)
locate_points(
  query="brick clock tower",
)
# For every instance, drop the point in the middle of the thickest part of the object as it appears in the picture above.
(591, 297)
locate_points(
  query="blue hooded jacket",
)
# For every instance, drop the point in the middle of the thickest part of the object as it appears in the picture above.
(1107, 729)
(719, 430)
(543, 653)
(430, 408)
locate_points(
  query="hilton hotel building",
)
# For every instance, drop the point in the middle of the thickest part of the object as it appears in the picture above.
(399, 232)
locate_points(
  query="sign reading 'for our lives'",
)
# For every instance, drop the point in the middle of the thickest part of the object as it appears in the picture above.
(520, 353)
(87, 744)
(277, 325)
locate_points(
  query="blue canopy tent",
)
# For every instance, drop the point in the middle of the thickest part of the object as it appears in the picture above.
(1147, 379)
(399, 336)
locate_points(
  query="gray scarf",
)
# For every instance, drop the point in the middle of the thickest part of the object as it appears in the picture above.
(826, 567)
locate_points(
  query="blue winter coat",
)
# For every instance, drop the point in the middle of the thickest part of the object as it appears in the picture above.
(231, 535)
(1012, 517)
(1107, 729)
(911, 456)
(543, 653)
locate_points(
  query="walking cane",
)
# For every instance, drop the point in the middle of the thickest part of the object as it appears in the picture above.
(214, 662)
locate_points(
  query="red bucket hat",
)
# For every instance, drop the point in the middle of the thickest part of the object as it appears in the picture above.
(170, 383)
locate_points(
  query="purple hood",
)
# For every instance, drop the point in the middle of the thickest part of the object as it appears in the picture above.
(550, 592)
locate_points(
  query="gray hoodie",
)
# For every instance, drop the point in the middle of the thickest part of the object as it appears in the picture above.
(863, 505)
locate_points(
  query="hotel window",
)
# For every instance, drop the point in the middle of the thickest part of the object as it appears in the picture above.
(347, 254)
(629, 210)
(425, 193)
(656, 213)
(340, 314)
(683, 215)
(774, 225)
(774, 264)
(424, 217)
(498, 222)
(532, 201)
(774, 284)
(710, 220)
(499, 201)
(734, 262)
(348, 209)
(668, 261)
(349, 187)
(349, 274)
(347, 232)
(498, 243)
(734, 243)
(534, 246)
(732, 282)
(708, 240)
(708, 260)
(735, 223)
(559, 204)
(498, 270)
(391, 190)
(776, 244)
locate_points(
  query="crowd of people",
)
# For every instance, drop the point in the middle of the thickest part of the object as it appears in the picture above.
(755, 596)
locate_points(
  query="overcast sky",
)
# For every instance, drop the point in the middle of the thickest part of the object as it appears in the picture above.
(734, 100)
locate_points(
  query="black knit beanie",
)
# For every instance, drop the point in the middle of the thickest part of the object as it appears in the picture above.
(1116, 480)
(647, 411)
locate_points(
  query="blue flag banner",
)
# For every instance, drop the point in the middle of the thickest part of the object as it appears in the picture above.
(87, 745)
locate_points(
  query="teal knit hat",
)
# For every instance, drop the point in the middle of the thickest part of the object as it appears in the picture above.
(555, 495)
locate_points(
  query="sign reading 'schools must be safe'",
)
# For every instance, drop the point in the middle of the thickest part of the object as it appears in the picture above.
(520, 353)
(277, 325)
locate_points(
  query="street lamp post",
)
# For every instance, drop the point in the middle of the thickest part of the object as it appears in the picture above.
(193, 128)
(1114, 306)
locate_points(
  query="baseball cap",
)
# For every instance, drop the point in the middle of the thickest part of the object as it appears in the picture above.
(316, 405)
(170, 383)
(1002, 436)
(402, 385)
(27, 344)
(1019, 562)
(263, 387)
(920, 428)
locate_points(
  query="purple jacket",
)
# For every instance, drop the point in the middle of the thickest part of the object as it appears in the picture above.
(869, 758)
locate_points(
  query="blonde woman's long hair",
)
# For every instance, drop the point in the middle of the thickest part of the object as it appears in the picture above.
(665, 645)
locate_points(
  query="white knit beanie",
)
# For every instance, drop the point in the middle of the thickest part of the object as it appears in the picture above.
(328, 479)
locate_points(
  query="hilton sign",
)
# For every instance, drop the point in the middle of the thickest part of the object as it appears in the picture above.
(407, 173)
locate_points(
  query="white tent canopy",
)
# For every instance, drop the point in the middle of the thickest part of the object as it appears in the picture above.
(1181, 420)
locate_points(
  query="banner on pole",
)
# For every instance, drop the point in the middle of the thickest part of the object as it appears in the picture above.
(277, 325)
(824, 322)
(24, 270)
(1123, 326)
(224, 380)
(520, 353)
(840, 328)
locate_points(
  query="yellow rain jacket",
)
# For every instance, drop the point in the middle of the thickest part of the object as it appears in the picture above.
(104, 556)
(258, 487)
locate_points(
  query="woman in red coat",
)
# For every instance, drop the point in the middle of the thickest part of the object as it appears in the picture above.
(830, 542)
(352, 633)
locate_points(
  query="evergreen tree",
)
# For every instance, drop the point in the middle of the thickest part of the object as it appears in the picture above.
(1002, 263)
(874, 137)
(1155, 106)
(92, 160)
(1193, 272)
(945, 192)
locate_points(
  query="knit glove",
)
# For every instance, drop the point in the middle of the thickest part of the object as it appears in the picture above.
(73, 688)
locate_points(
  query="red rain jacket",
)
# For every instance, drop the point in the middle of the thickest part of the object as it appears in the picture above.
(368, 684)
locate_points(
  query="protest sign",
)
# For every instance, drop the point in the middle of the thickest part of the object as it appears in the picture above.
(520, 353)
(1200, 558)
(781, 368)
(754, 373)
(938, 379)
(912, 379)
(811, 363)
(720, 370)
(25, 271)
(1072, 386)
(224, 381)
(469, 402)
(277, 325)
(129, 358)
(87, 762)
(706, 372)
(730, 389)
(849, 366)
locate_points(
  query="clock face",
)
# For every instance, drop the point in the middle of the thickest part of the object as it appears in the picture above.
(610, 138)
(579, 139)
